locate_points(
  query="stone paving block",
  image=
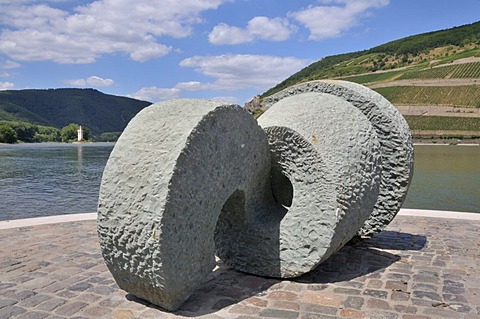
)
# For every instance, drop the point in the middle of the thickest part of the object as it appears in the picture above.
(326, 310)
(375, 293)
(322, 298)
(283, 295)
(118, 306)
(287, 305)
(10, 312)
(378, 304)
(51, 304)
(71, 308)
(244, 310)
(351, 313)
(277, 313)
(33, 315)
(347, 291)
(354, 303)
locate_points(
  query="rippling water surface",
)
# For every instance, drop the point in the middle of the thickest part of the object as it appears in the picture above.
(52, 179)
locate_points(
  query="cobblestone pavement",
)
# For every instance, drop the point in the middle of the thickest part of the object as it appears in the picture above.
(418, 268)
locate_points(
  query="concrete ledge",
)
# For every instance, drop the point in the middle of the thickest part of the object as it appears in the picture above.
(438, 214)
(7, 224)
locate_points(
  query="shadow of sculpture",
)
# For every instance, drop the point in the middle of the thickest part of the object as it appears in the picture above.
(396, 241)
(222, 288)
(225, 287)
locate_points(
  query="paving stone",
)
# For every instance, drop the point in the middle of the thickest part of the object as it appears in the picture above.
(321, 298)
(378, 304)
(405, 309)
(7, 302)
(287, 305)
(10, 312)
(353, 303)
(320, 309)
(456, 285)
(276, 313)
(70, 308)
(400, 296)
(383, 315)
(244, 309)
(51, 304)
(316, 316)
(351, 313)
(427, 295)
(95, 311)
(33, 315)
(376, 293)
(283, 295)
(347, 291)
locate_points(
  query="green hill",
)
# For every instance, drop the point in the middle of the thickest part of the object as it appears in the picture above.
(434, 75)
(58, 107)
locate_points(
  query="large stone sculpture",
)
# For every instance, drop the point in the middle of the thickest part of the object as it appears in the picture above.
(191, 178)
(394, 137)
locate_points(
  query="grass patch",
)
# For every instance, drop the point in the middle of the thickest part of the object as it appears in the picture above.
(443, 123)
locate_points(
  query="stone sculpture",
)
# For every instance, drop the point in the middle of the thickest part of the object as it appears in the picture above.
(191, 178)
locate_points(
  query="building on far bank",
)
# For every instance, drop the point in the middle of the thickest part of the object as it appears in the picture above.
(80, 134)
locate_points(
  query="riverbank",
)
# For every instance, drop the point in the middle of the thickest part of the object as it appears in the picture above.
(419, 267)
(446, 141)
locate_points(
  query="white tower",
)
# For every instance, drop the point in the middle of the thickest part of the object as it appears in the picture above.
(80, 134)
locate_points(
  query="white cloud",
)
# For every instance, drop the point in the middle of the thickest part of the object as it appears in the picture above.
(155, 94)
(91, 81)
(6, 86)
(236, 72)
(333, 20)
(8, 64)
(263, 28)
(40, 32)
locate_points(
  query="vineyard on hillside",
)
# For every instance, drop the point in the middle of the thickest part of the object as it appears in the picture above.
(465, 96)
(457, 71)
(439, 123)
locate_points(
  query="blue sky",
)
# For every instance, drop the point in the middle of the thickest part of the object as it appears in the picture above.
(221, 49)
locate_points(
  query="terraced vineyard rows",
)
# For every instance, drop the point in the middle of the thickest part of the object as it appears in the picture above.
(457, 71)
(466, 96)
(436, 123)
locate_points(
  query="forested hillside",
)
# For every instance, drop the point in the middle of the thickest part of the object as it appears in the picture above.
(58, 107)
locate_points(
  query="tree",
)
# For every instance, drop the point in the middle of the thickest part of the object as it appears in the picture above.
(7, 134)
(69, 132)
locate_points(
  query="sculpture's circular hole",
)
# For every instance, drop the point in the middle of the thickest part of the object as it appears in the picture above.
(282, 188)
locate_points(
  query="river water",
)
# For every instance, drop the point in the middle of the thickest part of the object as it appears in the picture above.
(53, 178)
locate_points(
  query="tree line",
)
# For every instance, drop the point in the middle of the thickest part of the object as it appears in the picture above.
(24, 132)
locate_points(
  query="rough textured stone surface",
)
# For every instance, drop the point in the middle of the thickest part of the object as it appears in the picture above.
(329, 152)
(394, 137)
(164, 186)
(191, 178)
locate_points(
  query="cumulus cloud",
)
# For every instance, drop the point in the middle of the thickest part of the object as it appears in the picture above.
(91, 81)
(334, 17)
(6, 86)
(262, 28)
(155, 94)
(235, 72)
(40, 32)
